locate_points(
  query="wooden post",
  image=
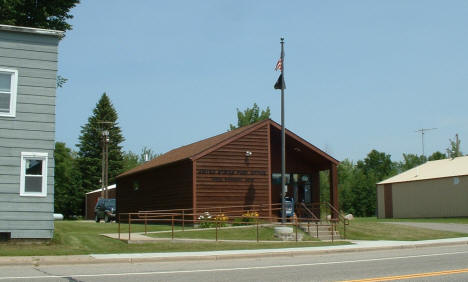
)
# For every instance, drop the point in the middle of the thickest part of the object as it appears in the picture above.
(315, 193)
(129, 225)
(183, 220)
(344, 229)
(216, 230)
(334, 190)
(332, 232)
(257, 231)
(297, 227)
(119, 224)
(172, 227)
(146, 219)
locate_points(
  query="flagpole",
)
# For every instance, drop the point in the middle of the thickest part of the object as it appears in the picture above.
(283, 140)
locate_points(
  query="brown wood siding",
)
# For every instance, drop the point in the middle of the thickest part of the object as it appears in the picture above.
(226, 177)
(388, 200)
(270, 212)
(166, 187)
(91, 201)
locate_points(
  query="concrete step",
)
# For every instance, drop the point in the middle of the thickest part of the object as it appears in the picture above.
(324, 231)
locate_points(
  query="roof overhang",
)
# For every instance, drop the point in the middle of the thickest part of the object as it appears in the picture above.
(32, 30)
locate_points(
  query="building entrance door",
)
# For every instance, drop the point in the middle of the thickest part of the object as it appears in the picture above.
(302, 188)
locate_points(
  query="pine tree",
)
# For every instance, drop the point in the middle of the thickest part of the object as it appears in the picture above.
(90, 146)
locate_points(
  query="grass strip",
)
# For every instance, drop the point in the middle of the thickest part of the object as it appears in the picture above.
(371, 228)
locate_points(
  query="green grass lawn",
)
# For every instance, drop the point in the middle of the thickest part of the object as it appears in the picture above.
(83, 237)
(460, 220)
(241, 233)
(371, 228)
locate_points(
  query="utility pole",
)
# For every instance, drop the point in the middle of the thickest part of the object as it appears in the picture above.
(422, 131)
(105, 139)
(105, 157)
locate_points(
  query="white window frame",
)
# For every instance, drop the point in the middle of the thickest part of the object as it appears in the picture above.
(32, 155)
(13, 90)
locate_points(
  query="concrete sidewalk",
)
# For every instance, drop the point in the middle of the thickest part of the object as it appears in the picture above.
(357, 246)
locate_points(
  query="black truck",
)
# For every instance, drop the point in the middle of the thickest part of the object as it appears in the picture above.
(105, 209)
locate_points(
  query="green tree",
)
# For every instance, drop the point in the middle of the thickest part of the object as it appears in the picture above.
(379, 164)
(69, 196)
(437, 156)
(346, 170)
(411, 160)
(250, 115)
(131, 160)
(374, 168)
(90, 146)
(453, 150)
(48, 14)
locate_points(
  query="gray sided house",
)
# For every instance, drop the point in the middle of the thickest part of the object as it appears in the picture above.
(28, 70)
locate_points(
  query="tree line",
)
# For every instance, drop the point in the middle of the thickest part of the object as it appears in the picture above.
(357, 180)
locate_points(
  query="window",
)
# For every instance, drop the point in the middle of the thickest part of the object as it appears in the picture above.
(33, 174)
(8, 86)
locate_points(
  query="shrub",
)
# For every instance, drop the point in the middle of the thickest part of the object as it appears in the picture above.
(222, 220)
(248, 217)
(207, 221)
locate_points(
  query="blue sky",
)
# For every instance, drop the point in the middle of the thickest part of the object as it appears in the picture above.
(360, 75)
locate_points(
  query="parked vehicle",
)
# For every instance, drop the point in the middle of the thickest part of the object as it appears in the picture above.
(105, 209)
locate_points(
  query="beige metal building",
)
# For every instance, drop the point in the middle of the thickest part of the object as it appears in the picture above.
(434, 189)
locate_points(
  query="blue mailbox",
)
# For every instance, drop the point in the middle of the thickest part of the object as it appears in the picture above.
(289, 206)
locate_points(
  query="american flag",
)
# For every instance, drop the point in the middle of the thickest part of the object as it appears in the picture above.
(279, 65)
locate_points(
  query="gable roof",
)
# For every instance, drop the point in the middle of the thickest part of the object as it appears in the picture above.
(432, 170)
(188, 151)
(199, 149)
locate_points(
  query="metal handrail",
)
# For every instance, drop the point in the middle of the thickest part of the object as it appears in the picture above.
(171, 217)
(309, 211)
(192, 215)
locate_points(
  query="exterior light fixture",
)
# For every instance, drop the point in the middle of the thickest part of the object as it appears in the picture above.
(248, 153)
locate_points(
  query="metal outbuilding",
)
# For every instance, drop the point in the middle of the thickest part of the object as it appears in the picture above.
(433, 189)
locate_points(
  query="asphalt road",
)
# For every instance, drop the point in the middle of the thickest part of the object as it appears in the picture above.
(449, 263)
